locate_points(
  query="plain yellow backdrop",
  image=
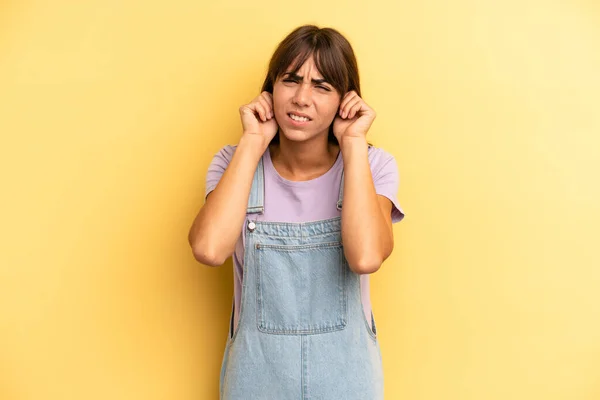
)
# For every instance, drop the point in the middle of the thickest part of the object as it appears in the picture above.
(110, 112)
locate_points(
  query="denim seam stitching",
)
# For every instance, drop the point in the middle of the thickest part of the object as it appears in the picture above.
(328, 221)
(305, 394)
(295, 247)
(301, 236)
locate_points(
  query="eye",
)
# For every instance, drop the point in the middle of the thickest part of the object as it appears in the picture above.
(290, 80)
(324, 88)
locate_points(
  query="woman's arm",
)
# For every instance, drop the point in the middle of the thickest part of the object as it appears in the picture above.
(366, 217)
(217, 226)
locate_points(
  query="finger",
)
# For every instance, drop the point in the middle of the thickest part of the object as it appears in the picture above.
(347, 98)
(344, 101)
(246, 109)
(263, 102)
(259, 109)
(269, 97)
(356, 100)
(355, 109)
(348, 104)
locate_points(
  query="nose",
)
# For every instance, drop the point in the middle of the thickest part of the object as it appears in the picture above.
(303, 95)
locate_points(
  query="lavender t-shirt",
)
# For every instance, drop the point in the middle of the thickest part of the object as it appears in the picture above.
(305, 201)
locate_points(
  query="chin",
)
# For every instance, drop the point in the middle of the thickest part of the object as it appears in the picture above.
(301, 135)
(296, 135)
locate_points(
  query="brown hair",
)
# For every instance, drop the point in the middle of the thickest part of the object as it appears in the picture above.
(333, 56)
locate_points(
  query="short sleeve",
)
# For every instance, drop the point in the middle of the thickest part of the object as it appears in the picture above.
(386, 179)
(217, 167)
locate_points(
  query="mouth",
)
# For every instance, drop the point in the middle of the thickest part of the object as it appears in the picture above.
(298, 120)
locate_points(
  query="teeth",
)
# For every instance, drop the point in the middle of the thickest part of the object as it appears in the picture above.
(299, 119)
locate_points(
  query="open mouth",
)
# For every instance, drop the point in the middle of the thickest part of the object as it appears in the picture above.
(298, 119)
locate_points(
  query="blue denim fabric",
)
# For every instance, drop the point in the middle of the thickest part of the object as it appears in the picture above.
(302, 332)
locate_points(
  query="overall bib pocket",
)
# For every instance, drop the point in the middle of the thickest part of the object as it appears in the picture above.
(301, 288)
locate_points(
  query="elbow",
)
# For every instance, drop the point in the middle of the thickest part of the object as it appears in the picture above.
(365, 265)
(368, 262)
(207, 257)
(366, 255)
(206, 253)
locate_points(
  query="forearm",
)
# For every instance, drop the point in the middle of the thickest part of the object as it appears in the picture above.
(366, 235)
(217, 226)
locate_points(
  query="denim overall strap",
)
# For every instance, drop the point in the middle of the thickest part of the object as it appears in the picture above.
(256, 201)
(341, 196)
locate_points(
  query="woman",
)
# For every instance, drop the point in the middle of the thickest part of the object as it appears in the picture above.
(301, 181)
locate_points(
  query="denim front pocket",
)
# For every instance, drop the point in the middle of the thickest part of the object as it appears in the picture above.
(301, 289)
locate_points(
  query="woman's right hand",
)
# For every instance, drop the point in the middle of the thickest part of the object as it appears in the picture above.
(258, 117)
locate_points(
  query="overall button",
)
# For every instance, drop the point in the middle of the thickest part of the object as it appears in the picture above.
(251, 226)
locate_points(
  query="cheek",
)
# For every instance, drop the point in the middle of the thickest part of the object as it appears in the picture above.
(278, 101)
(332, 104)
(332, 110)
(278, 108)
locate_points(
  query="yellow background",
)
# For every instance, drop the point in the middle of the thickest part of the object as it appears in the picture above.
(110, 112)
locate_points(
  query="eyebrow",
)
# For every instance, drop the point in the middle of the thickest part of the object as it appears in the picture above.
(298, 77)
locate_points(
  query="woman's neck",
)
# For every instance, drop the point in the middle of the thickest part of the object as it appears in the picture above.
(302, 161)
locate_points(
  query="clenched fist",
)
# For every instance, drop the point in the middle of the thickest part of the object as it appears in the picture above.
(258, 117)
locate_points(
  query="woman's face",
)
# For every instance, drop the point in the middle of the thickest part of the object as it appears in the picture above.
(304, 104)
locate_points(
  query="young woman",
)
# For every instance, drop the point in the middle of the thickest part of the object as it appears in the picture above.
(305, 206)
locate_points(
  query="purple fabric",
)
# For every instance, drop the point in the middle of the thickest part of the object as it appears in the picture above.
(313, 200)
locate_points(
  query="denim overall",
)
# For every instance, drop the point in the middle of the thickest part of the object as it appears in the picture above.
(302, 332)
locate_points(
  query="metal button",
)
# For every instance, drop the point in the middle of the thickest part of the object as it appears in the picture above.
(251, 226)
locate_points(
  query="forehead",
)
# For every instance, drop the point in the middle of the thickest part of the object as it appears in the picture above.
(308, 68)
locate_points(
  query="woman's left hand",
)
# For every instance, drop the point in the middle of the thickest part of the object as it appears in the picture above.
(354, 117)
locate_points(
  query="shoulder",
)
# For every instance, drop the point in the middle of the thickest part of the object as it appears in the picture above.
(217, 167)
(380, 160)
(386, 178)
(226, 153)
(222, 159)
